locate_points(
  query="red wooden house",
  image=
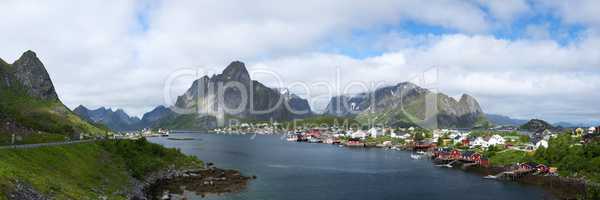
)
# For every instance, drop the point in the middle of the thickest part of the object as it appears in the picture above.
(314, 133)
(455, 154)
(528, 166)
(542, 168)
(471, 156)
(484, 162)
(442, 153)
(465, 142)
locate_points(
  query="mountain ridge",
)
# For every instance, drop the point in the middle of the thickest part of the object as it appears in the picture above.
(406, 104)
(497, 119)
(116, 120)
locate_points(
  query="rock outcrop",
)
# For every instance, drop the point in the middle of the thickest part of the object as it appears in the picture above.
(30, 72)
(537, 125)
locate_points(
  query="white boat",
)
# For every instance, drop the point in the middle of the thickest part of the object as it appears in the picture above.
(292, 138)
(420, 152)
(490, 177)
(446, 165)
(415, 157)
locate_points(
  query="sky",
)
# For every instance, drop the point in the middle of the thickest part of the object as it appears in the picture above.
(521, 58)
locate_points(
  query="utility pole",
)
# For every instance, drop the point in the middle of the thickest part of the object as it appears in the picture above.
(13, 139)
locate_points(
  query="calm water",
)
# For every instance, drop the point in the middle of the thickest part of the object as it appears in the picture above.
(290, 170)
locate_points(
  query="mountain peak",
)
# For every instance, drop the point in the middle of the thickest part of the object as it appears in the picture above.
(32, 75)
(29, 54)
(80, 108)
(236, 70)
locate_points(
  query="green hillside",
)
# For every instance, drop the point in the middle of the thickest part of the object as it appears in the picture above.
(87, 171)
(31, 109)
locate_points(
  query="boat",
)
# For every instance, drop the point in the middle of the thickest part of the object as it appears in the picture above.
(490, 177)
(446, 165)
(354, 143)
(314, 140)
(420, 152)
(415, 157)
(292, 138)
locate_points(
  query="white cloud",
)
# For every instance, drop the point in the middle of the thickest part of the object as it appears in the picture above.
(506, 10)
(501, 73)
(583, 12)
(100, 54)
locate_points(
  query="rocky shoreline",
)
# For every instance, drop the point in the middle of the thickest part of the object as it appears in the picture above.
(561, 188)
(169, 184)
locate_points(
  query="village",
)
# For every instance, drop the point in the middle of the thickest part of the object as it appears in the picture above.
(500, 147)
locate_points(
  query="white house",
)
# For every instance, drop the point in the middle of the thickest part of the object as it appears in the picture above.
(359, 134)
(591, 130)
(479, 141)
(375, 132)
(541, 143)
(496, 140)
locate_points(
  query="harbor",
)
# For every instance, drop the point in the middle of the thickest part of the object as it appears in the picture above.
(303, 170)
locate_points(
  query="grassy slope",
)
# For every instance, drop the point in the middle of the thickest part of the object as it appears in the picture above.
(86, 171)
(508, 157)
(50, 117)
(44, 116)
(70, 172)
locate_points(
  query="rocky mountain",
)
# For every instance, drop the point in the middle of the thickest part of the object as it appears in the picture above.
(406, 104)
(150, 119)
(504, 120)
(30, 105)
(116, 120)
(536, 125)
(29, 74)
(233, 94)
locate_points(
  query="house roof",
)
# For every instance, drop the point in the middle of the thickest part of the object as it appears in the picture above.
(468, 153)
(530, 164)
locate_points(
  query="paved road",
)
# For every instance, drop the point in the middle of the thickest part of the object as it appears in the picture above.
(29, 146)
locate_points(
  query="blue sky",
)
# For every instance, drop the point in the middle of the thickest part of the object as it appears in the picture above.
(522, 58)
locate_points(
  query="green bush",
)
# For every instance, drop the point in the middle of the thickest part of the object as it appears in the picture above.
(142, 157)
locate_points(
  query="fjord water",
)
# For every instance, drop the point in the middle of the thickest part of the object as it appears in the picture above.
(290, 170)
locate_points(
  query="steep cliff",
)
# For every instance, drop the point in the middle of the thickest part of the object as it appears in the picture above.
(233, 93)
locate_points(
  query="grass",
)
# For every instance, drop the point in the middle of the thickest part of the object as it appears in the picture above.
(65, 172)
(49, 116)
(142, 157)
(87, 171)
(6, 139)
(508, 157)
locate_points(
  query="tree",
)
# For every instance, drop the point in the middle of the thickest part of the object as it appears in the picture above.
(419, 136)
(524, 139)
